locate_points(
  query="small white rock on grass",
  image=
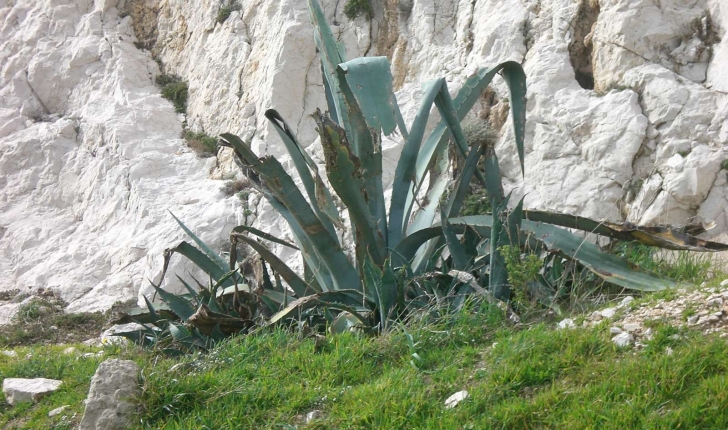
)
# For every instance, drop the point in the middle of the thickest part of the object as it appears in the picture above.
(456, 398)
(567, 323)
(57, 411)
(623, 339)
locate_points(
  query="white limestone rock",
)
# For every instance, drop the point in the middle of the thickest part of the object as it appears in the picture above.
(623, 340)
(20, 390)
(91, 160)
(111, 402)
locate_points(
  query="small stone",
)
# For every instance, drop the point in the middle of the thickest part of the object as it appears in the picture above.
(692, 320)
(713, 318)
(625, 302)
(623, 339)
(609, 312)
(9, 353)
(647, 334)
(724, 283)
(631, 327)
(615, 330)
(596, 316)
(57, 411)
(668, 351)
(456, 398)
(314, 415)
(568, 323)
(718, 301)
(717, 314)
(68, 351)
(19, 390)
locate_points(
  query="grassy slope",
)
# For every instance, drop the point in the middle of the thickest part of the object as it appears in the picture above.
(528, 377)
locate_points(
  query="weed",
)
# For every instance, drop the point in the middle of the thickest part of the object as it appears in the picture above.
(354, 8)
(476, 204)
(203, 144)
(226, 10)
(43, 321)
(237, 187)
(173, 89)
(682, 266)
(724, 165)
(521, 271)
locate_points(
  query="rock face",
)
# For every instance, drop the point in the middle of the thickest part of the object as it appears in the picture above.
(111, 401)
(19, 390)
(627, 116)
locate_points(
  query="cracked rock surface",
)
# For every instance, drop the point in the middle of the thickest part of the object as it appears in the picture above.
(627, 116)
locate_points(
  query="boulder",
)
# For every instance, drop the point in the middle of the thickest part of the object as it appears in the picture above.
(113, 397)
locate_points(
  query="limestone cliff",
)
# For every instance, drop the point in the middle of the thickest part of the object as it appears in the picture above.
(627, 115)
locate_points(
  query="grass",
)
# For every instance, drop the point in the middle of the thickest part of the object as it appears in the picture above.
(203, 144)
(226, 10)
(354, 8)
(173, 89)
(527, 377)
(43, 321)
(682, 266)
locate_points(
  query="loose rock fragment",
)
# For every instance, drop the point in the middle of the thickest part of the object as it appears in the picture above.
(19, 390)
(456, 398)
(623, 339)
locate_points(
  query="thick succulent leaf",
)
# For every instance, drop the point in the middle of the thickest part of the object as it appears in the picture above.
(364, 143)
(515, 220)
(463, 102)
(214, 256)
(498, 278)
(493, 182)
(439, 180)
(425, 216)
(320, 249)
(667, 237)
(330, 103)
(457, 252)
(198, 258)
(153, 316)
(404, 175)
(609, 267)
(239, 230)
(297, 284)
(318, 194)
(143, 338)
(370, 81)
(381, 289)
(345, 175)
(344, 322)
(192, 292)
(515, 77)
(177, 304)
(297, 307)
(455, 201)
(332, 54)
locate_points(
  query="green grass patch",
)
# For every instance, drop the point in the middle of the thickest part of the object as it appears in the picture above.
(527, 377)
(226, 10)
(173, 89)
(203, 144)
(354, 8)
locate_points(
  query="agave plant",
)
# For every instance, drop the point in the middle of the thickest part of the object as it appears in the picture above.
(421, 248)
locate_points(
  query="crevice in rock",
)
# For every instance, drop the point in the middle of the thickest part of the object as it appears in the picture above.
(144, 21)
(580, 48)
(387, 16)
